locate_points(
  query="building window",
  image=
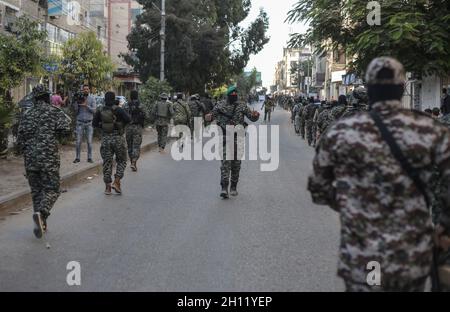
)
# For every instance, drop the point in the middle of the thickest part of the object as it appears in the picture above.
(10, 18)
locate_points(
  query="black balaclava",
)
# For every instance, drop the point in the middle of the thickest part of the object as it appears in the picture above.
(110, 98)
(232, 98)
(342, 100)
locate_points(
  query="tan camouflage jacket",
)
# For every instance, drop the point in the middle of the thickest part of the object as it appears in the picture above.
(383, 216)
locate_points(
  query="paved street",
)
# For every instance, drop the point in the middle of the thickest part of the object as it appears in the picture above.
(170, 231)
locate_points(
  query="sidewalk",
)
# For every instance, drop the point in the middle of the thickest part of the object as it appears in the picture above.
(12, 169)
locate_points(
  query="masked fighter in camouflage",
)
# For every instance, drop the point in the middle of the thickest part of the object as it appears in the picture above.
(37, 138)
(383, 211)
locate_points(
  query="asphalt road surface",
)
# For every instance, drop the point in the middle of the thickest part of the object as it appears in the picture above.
(170, 231)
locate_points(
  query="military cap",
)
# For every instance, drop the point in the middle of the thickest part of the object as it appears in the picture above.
(360, 93)
(231, 89)
(385, 71)
(164, 96)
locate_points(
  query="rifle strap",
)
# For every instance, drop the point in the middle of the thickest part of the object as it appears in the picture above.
(398, 154)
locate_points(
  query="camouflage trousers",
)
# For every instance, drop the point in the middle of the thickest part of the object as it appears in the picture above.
(267, 112)
(113, 145)
(309, 131)
(134, 141)
(230, 169)
(314, 134)
(162, 135)
(302, 128)
(400, 286)
(45, 190)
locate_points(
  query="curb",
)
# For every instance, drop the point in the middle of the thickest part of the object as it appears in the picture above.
(22, 198)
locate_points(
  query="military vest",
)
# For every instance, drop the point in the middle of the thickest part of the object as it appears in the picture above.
(110, 124)
(162, 109)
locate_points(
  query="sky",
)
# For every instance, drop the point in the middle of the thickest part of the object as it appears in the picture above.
(266, 60)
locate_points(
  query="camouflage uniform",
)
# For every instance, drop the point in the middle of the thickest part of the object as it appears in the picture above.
(359, 103)
(37, 138)
(307, 117)
(182, 113)
(134, 131)
(323, 121)
(113, 143)
(337, 112)
(197, 111)
(296, 117)
(162, 121)
(300, 113)
(383, 216)
(268, 107)
(439, 188)
(230, 168)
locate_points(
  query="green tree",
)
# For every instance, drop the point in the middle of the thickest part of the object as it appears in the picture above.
(84, 61)
(205, 46)
(413, 31)
(20, 55)
(150, 91)
(245, 83)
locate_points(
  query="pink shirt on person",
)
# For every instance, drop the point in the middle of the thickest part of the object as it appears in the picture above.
(57, 100)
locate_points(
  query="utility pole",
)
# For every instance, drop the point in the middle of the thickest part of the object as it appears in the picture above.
(163, 37)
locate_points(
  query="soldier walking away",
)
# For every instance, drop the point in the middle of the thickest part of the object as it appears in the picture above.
(231, 113)
(268, 106)
(296, 117)
(162, 112)
(134, 129)
(373, 169)
(182, 114)
(198, 110)
(112, 119)
(38, 140)
(307, 120)
(338, 110)
(358, 104)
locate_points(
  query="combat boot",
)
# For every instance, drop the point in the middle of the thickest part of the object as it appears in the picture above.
(133, 166)
(224, 193)
(38, 225)
(233, 189)
(116, 186)
(108, 189)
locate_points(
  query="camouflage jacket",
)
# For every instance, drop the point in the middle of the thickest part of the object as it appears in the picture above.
(160, 120)
(352, 110)
(182, 113)
(268, 104)
(308, 112)
(323, 121)
(383, 216)
(37, 136)
(197, 108)
(232, 114)
(437, 185)
(337, 112)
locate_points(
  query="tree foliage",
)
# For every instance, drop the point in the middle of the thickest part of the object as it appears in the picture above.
(245, 83)
(414, 31)
(19, 55)
(205, 46)
(84, 61)
(150, 91)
